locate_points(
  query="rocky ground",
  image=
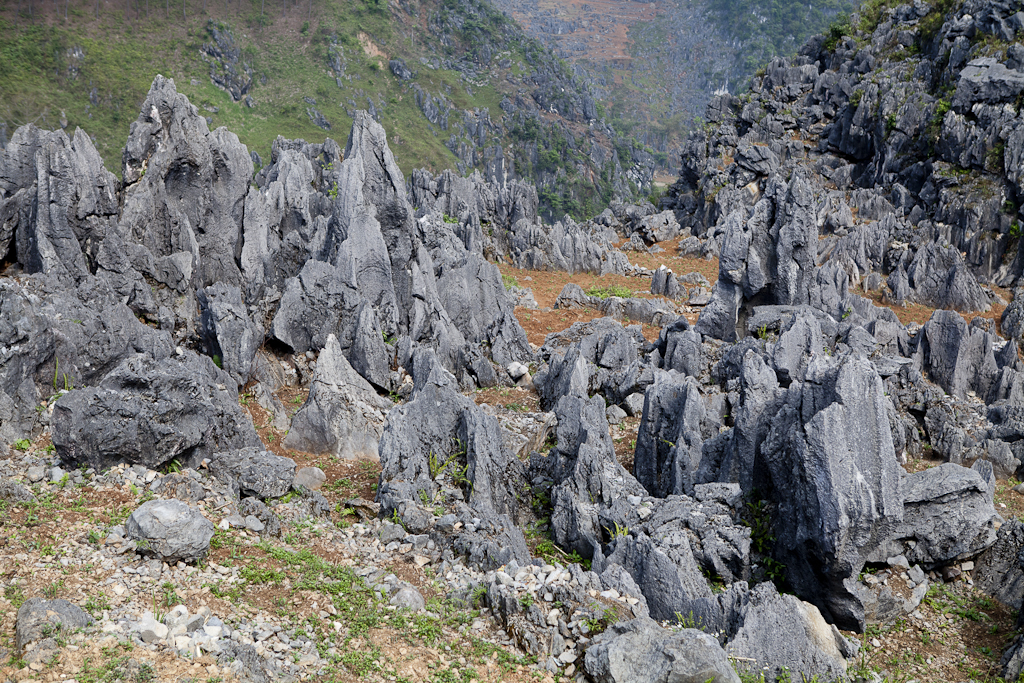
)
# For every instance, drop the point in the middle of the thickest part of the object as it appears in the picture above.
(326, 421)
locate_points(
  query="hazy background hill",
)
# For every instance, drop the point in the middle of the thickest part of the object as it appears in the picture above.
(456, 83)
(586, 103)
(657, 64)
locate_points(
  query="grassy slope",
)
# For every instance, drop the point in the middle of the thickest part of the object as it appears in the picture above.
(121, 57)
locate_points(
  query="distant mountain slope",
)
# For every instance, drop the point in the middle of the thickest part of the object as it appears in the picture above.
(656, 65)
(456, 83)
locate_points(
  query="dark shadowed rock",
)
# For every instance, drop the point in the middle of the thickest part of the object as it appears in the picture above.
(226, 330)
(45, 622)
(183, 408)
(257, 472)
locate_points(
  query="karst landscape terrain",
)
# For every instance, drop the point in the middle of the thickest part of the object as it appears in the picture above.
(360, 341)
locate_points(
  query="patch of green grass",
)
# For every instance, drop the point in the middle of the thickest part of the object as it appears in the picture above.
(610, 291)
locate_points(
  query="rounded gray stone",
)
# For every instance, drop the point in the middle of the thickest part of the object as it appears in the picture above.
(170, 530)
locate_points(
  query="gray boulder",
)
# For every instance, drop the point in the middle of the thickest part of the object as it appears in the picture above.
(641, 650)
(13, 492)
(986, 80)
(44, 622)
(799, 342)
(476, 301)
(573, 296)
(780, 633)
(257, 472)
(660, 227)
(768, 253)
(947, 516)
(681, 348)
(343, 415)
(169, 530)
(490, 541)
(442, 440)
(665, 570)
(317, 303)
(664, 283)
(939, 277)
(597, 356)
(151, 412)
(180, 487)
(1012, 320)
(400, 70)
(254, 507)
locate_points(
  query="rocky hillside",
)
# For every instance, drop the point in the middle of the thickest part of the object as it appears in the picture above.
(323, 419)
(458, 84)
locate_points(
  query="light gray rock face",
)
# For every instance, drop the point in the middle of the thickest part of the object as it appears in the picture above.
(986, 80)
(43, 622)
(665, 570)
(170, 530)
(781, 633)
(601, 356)
(769, 253)
(227, 332)
(343, 415)
(311, 478)
(475, 299)
(957, 357)
(317, 303)
(670, 439)
(681, 348)
(184, 191)
(998, 570)
(442, 439)
(800, 341)
(57, 196)
(739, 456)
(836, 481)
(641, 650)
(947, 516)
(569, 246)
(151, 412)
(939, 277)
(590, 485)
(257, 472)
